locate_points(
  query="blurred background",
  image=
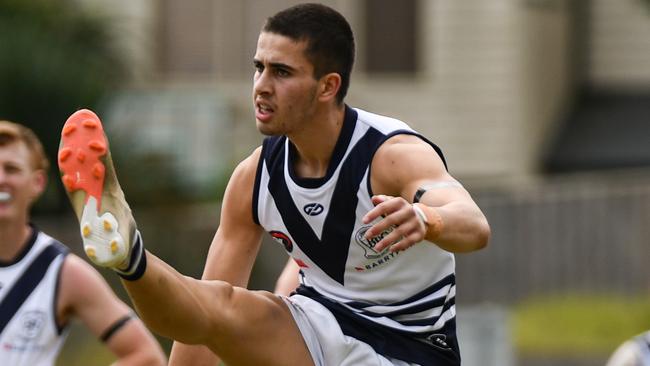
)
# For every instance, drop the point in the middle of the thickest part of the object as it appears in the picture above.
(542, 108)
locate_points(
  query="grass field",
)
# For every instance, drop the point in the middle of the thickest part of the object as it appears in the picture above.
(578, 324)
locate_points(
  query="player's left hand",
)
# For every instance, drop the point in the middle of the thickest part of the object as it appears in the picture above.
(399, 214)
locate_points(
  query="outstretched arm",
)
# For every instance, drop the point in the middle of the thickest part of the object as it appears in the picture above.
(446, 214)
(84, 294)
(288, 280)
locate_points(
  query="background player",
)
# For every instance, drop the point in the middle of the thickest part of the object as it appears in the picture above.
(633, 352)
(42, 286)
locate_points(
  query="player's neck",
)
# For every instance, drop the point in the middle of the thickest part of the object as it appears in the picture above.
(315, 144)
(14, 235)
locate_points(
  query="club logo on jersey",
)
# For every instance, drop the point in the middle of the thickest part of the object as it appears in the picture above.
(313, 209)
(283, 239)
(31, 323)
(368, 245)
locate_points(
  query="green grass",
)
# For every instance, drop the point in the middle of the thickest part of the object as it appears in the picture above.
(83, 349)
(578, 324)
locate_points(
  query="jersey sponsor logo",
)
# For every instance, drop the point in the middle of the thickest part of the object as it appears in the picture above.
(283, 239)
(313, 209)
(374, 258)
(377, 262)
(368, 245)
(23, 347)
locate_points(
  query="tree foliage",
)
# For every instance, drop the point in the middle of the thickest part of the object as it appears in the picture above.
(54, 59)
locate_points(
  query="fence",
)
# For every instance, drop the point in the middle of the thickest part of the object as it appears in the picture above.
(588, 233)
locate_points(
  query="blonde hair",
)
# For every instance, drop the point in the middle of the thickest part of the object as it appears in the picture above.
(11, 132)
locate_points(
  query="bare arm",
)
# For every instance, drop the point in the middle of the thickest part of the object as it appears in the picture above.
(232, 252)
(288, 280)
(84, 294)
(402, 165)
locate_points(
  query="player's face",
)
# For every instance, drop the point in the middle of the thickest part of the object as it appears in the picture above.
(284, 88)
(20, 183)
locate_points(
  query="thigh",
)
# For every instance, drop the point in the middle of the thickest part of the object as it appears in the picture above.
(256, 328)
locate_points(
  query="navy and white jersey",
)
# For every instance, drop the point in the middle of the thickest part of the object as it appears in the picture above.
(634, 352)
(642, 341)
(318, 221)
(29, 334)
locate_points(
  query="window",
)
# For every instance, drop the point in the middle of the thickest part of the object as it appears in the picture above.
(391, 36)
(186, 32)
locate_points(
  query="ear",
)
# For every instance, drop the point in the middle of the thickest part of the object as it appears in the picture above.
(329, 86)
(39, 182)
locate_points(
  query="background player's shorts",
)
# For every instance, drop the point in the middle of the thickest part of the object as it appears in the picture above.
(326, 341)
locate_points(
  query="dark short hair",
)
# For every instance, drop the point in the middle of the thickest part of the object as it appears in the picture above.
(330, 42)
(11, 133)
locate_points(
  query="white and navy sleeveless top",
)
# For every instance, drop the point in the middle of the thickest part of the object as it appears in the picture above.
(29, 334)
(642, 342)
(318, 221)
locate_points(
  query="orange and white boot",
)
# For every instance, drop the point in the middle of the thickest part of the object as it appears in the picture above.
(108, 230)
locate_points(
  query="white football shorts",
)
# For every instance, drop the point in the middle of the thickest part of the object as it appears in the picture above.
(325, 339)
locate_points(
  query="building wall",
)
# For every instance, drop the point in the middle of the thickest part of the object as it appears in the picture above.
(493, 76)
(466, 97)
(493, 82)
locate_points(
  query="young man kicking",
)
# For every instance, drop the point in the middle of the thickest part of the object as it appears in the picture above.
(362, 203)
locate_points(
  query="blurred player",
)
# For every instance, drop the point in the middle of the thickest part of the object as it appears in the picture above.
(362, 203)
(634, 352)
(42, 286)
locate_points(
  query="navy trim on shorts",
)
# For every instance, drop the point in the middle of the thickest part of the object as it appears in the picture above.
(438, 348)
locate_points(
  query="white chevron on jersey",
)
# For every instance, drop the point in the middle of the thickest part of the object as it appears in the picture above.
(319, 223)
(31, 336)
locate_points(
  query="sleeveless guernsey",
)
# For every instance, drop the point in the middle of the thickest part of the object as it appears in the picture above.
(29, 334)
(402, 304)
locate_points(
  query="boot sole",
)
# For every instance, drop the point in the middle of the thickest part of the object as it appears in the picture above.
(83, 158)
